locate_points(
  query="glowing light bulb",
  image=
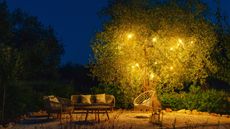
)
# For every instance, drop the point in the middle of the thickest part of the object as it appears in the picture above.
(119, 47)
(154, 39)
(152, 76)
(180, 41)
(130, 36)
(135, 65)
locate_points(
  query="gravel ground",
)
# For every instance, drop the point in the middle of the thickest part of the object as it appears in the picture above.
(121, 119)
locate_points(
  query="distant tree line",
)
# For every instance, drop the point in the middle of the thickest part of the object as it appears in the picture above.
(30, 54)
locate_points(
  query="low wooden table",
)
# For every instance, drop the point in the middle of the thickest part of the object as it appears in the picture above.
(97, 110)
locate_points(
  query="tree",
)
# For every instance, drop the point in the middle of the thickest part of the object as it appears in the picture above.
(147, 45)
(38, 44)
(29, 52)
(78, 76)
(222, 53)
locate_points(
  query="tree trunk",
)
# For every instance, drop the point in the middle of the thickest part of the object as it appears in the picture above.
(3, 101)
(155, 101)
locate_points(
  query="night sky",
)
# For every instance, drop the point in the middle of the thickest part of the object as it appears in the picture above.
(75, 22)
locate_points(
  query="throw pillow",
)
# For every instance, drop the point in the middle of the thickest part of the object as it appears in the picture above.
(100, 98)
(52, 98)
(109, 100)
(86, 99)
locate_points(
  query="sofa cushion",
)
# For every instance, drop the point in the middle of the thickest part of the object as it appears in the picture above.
(52, 98)
(86, 99)
(109, 99)
(100, 98)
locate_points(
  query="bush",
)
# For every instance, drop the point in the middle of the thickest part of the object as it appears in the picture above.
(24, 97)
(210, 100)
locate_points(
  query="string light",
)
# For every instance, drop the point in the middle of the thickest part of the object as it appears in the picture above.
(152, 76)
(130, 36)
(136, 65)
(180, 41)
(154, 39)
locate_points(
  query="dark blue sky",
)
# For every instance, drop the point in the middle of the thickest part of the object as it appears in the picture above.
(75, 22)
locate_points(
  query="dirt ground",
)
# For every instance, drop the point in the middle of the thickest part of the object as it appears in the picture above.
(121, 119)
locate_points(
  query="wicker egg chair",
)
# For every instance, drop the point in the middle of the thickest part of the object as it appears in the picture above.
(144, 102)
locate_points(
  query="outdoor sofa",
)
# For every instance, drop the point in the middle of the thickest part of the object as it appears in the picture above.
(97, 104)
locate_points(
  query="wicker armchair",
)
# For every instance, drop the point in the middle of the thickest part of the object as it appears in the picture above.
(57, 105)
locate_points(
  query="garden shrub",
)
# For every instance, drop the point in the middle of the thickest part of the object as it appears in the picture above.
(23, 96)
(209, 100)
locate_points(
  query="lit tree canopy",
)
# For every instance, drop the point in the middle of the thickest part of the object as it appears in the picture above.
(144, 45)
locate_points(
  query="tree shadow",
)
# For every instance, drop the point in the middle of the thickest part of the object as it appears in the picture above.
(36, 120)
(204, 126)
(82, 123)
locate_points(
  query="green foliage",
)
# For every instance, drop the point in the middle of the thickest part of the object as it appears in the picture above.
(210, 100)
(51, 87)
(143, 45)
(78, 76)
(29, 51)
(20, 100)
(24, 97)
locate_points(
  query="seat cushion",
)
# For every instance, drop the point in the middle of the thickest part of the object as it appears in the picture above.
(53, 98)
(100, 98)
(109, 99)
(86, 99)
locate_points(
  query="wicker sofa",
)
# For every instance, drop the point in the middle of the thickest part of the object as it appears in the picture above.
(98, 103)
(76, 100)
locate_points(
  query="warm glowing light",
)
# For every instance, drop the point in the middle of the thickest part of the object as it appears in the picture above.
(192, 42)
(180, 41)
(154, 39)
(171, 48)
(130, 36)
(152, 76)
(171, 68)
(119, 47)
(134, 66)
(155, 63)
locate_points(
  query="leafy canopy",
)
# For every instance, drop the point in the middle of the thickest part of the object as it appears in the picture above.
(146, 44)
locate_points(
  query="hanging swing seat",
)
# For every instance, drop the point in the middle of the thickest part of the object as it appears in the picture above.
(144, 101)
